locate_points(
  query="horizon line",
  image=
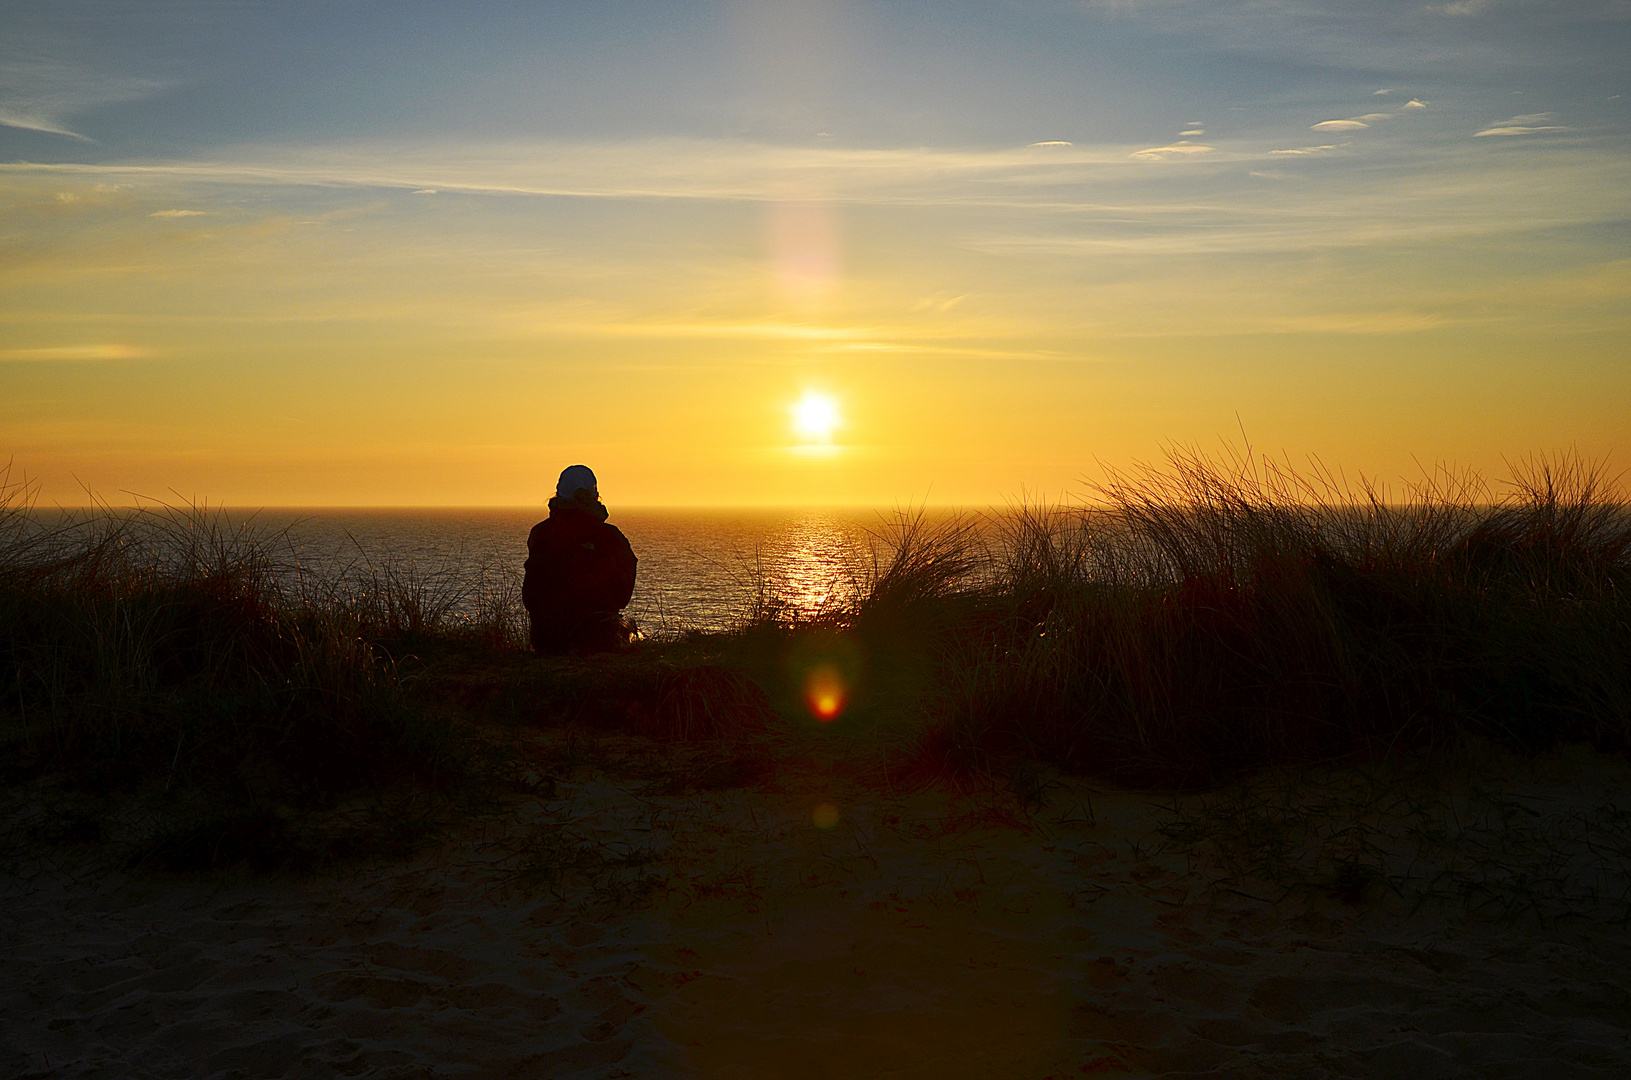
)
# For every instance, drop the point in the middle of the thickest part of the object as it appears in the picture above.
(154, 504)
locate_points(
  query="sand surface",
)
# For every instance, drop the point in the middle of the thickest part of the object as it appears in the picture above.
(920, 935)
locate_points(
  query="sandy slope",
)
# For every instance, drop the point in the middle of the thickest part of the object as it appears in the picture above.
(920, 936)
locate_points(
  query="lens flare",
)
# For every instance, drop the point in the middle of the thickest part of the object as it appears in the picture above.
(824, 816)
(804, 253)
(825, 692)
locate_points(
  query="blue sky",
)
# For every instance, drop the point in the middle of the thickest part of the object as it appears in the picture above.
(168, 78)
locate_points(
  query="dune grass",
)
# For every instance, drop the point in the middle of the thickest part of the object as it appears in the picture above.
(1189, 625)
(168, 655)
(1216, 616)
(169, 644)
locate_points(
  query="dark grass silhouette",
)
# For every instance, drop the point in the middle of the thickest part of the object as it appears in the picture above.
(1213, 617)
(170, 656)
(1194, 623)
(168, 643)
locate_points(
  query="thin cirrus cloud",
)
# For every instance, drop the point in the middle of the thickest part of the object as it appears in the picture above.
(27, 119)
(663, 169)
(1404, 38)
(1354, 123)
(1178, 151)
(106, 351)
(44, 94)
(1364, 121)
(1527, 124)
(1461, 9)
(1105, 189)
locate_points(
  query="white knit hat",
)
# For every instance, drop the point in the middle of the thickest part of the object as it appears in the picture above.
(575, 478)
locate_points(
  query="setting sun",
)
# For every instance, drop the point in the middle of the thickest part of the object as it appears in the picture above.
(815, 416)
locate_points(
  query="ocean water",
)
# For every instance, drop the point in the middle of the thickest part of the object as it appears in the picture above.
(699, 569)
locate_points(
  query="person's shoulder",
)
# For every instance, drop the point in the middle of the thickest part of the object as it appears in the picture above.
(615, 535)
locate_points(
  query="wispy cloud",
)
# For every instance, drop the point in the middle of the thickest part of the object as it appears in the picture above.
(1307, 151)
(1461, 9)
(74, 352)
(178, 213)
(1451, 197)
(33, 121)
(939, 302)
(1410, 38)
(43, 94)
(1104, 198)
(1366, 120)
(1359, 123)
(1178, 151)
(1527, 124)
(650, 169)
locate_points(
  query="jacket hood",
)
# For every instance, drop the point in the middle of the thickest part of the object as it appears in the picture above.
(594, 509)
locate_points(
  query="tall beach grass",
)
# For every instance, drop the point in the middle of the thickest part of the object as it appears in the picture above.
(1214, 615)
(172, 646)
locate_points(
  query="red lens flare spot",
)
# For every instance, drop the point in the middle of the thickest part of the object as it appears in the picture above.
(825, 692)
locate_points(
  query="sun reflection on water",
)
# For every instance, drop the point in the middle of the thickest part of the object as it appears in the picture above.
(816, 565)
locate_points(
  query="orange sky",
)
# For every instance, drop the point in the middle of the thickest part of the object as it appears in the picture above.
(241, 299)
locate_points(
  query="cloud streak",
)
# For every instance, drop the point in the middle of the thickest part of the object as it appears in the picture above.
(1178, 151)
(1461, 9)
(43, 94)
(60, 353)
(651, 169)
(1528, 124)
(1360, 123)
(1104, 199)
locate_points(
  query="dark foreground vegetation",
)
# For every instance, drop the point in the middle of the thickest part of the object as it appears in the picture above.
(1196, 623)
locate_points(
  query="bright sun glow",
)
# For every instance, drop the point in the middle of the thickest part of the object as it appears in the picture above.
(815, 416)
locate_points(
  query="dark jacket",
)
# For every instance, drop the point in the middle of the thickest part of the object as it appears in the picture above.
(579, 575)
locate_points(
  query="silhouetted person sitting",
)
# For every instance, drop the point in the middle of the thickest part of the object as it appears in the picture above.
(580, 571)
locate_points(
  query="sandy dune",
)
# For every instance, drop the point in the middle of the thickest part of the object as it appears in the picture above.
(918, 936)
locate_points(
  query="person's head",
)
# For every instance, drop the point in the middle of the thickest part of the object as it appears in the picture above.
(577, 483)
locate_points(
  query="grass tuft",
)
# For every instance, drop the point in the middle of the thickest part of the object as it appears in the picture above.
(1213, 617)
